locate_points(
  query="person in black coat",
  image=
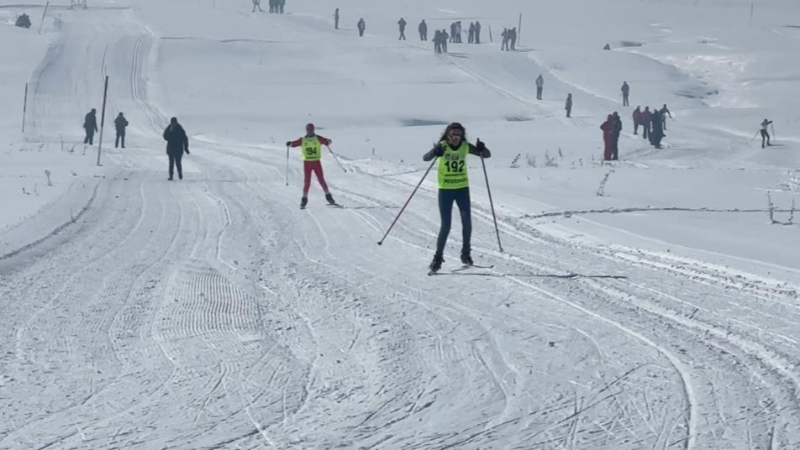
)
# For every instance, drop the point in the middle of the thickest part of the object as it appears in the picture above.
(657, 132)
(90, 125)
(616, 131)
(120, 123)
(177, 144)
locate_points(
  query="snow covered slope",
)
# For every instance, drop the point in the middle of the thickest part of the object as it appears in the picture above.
(213, 313)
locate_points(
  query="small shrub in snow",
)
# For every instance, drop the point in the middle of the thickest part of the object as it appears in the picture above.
(531, 160)
(515, 161)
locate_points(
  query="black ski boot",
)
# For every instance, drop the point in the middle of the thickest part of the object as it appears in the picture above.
(303, 202)
(436, 264)
(330, 199)
(466, 259)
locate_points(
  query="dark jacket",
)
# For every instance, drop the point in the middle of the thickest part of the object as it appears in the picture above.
(120, 122)
(177, 141)
(473, 150)
(90, 122)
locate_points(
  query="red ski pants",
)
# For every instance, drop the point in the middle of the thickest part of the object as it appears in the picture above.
(607, 147)
(315, 167)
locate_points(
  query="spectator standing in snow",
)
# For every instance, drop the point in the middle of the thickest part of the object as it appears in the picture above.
(423, 31)
(445, 36)
(336, 19)
(765, 133)
(120, 123)
(477, 32)
(607, 128)
(637, 119)
(664, 113)
(647, 122)
(625, 91)
(177, 145)
(513, 39)
(657, 132)
(311, 152)
(281, 4)
(437, 42)
(505, 35)
(453, 33)
(539, 87)
(616, 131)
(273, 6)
(471, 34)
(257, 4)
(361, 26)
(568, 105)
(402, 24)
(90, 125)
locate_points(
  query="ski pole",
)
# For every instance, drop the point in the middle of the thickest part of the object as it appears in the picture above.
(774, 136)
(408, 201)
(491, 203)
(754, 136)
(336, 158)
(287, 166)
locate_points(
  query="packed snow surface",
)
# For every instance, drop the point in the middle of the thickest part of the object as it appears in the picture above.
(647, 303)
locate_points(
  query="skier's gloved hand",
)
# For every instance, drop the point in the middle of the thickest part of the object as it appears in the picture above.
(481, 147)
(438, 151)
(187, 151)
(288, 143)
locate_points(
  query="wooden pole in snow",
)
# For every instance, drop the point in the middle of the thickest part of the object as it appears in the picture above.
(25, 107)
(43, 16)
(752, 8)
(519, 30)
(102, 121)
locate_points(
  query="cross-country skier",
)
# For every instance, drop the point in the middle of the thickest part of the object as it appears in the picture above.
(177, 144)
(452, 151)
(120, 123)
(90, 125)
(311, 153)
(765, 133)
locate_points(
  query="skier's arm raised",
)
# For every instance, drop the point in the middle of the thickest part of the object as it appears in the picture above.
(480, 150)
(436, 151)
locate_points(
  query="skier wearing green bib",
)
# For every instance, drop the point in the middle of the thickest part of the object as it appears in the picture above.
(452, 151)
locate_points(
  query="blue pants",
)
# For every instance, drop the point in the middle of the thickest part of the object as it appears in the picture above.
(446, 199)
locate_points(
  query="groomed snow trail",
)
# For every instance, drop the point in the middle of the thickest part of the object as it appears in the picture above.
(213, 313)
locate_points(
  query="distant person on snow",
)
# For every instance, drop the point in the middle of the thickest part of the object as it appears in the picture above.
(765, 133)
(281, 4)
(607, 128)
(361, 26)
(625, 91)
(90, 125)
(177, 144)
(445, 36)
(477, 32)
(423, 31)
(23, 21)
(336, 19)
(606, 47)
(637, 119)
(568, 105)
(505, 34)
(273, 6)
(664, 110)
(453, 33)
(616, 131)
(120, 123)
(453, 180)
(402, 24)
(647, 122)
(513, 39)
(471, 34)
(458, 32)
(257, 4)
(657, 132)
(311, 153)
(437, 42)
(539, 87)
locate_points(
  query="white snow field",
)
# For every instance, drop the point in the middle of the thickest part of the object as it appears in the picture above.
(213, 313)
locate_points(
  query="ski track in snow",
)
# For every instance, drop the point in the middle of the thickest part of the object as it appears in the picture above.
(213, 313)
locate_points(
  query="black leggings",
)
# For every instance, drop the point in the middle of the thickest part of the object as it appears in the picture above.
(446, 199)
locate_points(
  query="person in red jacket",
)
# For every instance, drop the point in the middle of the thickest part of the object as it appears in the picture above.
(608, 140)
(647, 118)
(311, 145)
